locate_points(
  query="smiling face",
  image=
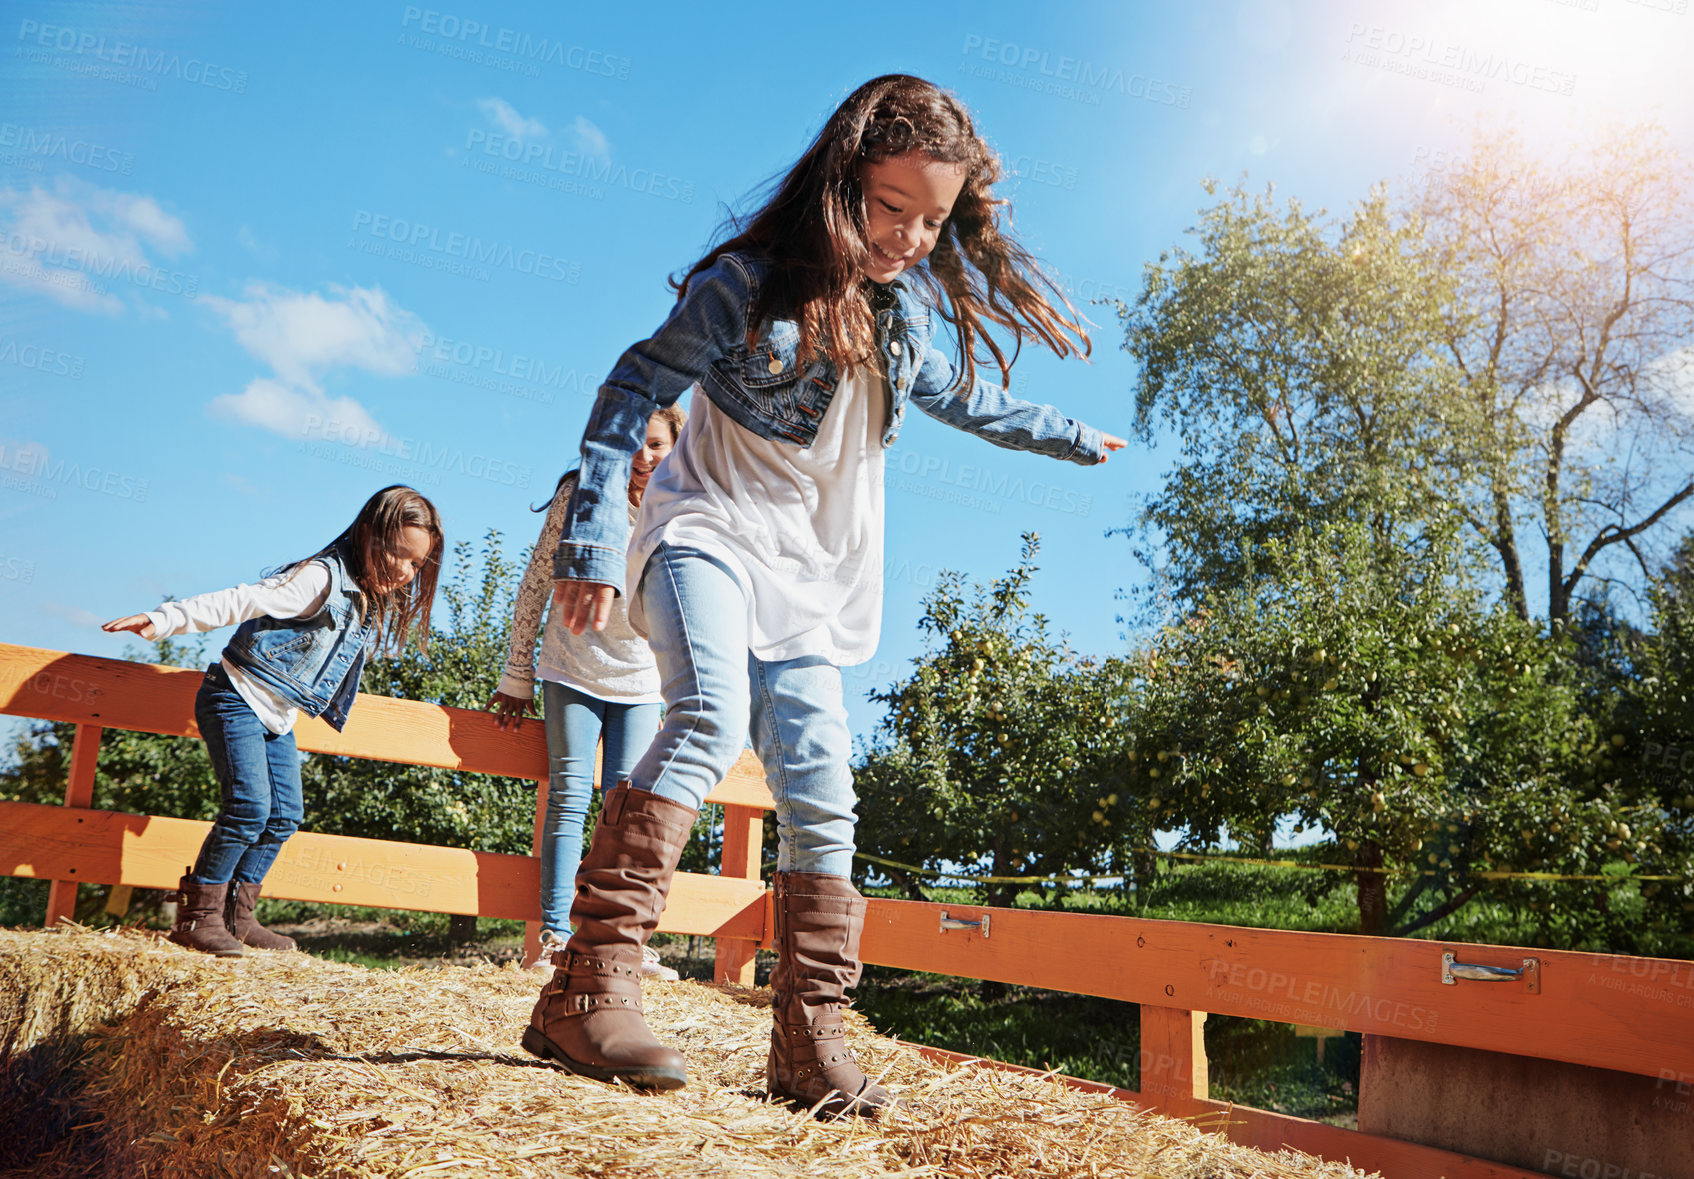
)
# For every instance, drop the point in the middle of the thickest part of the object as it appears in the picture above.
(405, 559)
(661, 439)
(907, 199)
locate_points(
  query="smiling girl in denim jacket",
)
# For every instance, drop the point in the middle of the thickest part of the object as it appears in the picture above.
(755, 563)
(304, 636)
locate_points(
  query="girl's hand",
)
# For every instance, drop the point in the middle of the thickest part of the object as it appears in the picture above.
(509, 711)
(1109, 443)
(134, 623)
(582, 604)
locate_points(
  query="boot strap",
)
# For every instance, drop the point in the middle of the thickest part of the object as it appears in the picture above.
(581, 992)
(588, 966)
(823, 1065)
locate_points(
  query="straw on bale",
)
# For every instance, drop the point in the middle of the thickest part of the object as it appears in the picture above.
(165, 1062)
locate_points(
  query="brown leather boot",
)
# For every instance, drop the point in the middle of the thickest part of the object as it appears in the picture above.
(818, 921)
(588, 1017)
(200, 919)
(238, 918)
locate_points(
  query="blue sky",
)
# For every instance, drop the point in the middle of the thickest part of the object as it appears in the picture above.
(259, 261)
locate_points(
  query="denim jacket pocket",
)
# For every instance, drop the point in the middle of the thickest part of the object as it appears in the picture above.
(775, 360)
(296, 653)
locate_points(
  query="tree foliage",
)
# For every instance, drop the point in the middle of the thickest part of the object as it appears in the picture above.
(998, 753)
(1298, 363)
(1570, 322)
(1378, 700)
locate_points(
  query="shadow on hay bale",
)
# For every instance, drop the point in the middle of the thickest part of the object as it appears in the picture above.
(172, 1063)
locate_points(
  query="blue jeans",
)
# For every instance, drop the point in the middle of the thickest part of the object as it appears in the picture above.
(258, 772)
(717, 692)
(575, 724)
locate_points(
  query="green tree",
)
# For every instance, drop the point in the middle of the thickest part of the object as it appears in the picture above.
(1376, 698)
(1655, 759)
(997, 753)
(1299, 363)
(1569, 317)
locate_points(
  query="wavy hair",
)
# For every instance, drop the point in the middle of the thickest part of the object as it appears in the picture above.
(811, 227)
(373, 534)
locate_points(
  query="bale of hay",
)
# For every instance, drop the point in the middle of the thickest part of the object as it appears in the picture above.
(287, 1065)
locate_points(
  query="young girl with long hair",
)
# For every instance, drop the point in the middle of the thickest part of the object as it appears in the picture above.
(305, 634)
(755, 563)
(597, 686)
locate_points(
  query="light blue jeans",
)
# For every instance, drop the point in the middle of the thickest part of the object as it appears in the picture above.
(576, 723)
(717, 693)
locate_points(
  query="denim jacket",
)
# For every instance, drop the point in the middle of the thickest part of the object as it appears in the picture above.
(766, 390)
(313, 663)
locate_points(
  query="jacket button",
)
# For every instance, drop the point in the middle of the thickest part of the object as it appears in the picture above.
(775, 365)
(894, 347)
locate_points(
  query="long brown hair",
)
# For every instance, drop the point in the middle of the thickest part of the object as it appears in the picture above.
(375, 532)
(812, 228)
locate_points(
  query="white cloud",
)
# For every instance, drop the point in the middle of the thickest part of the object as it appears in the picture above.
(505, 116)
(297, 413)
(589, 138)
(303, 336)
(62, 243)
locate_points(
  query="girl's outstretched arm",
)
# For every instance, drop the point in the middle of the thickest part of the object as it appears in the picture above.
(991, 413)
(703, 325)
(298, 593)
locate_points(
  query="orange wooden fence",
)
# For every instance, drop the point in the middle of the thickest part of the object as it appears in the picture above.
(1634, 1015)
(72, 844)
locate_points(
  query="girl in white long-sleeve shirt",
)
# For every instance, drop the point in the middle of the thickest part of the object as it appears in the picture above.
(599, 688)
(304, 636)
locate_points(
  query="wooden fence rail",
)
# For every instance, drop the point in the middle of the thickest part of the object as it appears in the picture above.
(1624, 1014)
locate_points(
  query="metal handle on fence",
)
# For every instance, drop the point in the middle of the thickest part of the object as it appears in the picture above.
(1530, 972)
(954, 923)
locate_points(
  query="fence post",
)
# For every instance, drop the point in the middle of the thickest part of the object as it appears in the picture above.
(1173, 1060)
(79, 792)
(743, 844)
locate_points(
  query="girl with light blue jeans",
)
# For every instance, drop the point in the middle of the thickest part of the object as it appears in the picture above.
(597, 688)
(755, 563)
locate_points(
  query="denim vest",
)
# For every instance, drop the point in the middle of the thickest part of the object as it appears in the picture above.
(313, 663)
(765, 389)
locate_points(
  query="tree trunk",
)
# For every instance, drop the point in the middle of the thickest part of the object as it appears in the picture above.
(1373, 890)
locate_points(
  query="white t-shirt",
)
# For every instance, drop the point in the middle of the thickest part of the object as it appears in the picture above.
(801, 526)
(300, 593)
